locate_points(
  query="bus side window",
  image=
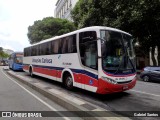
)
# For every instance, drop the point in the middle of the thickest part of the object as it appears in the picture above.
(59, 46)
(47, 48)
(52, 48)
(28, 51)
(69, 44)
(37, 50)
(65, 45)
(55, 48)
(43, 49)
(72, 44)
(25, 52)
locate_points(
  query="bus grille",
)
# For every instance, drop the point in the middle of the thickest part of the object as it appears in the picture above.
(124, 82)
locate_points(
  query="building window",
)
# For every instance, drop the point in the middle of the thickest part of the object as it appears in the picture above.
(69, 3)
(61, 13)
(63, 9)
(57, 15)
(66, 6)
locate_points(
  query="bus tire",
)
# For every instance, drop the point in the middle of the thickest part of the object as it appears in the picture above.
(68, 81)
(31, 72)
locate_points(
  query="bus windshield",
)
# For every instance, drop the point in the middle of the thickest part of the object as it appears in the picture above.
(19, 58)
(117, 52)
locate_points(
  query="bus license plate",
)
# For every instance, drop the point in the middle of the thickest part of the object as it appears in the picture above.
(125, 87)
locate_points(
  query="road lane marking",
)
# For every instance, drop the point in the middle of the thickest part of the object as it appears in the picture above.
(149, 84)
(145, 93)
(39, 99)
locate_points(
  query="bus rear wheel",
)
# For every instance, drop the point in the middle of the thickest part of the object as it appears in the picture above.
(31, 72)
(68, 81)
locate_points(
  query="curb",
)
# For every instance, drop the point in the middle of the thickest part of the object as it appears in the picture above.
(68, 101)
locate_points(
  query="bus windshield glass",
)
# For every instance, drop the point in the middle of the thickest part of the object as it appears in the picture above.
(117, 52)
(19, 58)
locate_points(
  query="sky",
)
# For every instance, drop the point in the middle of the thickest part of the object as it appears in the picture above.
(16, 16)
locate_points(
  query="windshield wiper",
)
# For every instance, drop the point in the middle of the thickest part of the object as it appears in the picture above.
(120, 64)
(123, 57)
(132, 64)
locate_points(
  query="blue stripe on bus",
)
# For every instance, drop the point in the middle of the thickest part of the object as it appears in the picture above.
(86, 73)
(73, 70)
(48, 67)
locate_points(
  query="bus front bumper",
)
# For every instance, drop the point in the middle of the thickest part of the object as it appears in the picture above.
(107, 88)
(18, 67)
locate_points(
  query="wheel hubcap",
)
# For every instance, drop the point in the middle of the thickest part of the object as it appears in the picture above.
(31, 72)
(69, 81)
(146, 78)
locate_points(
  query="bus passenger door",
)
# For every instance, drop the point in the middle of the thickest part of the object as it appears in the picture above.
(89, 59)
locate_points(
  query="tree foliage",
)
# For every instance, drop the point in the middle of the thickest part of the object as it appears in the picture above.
(3, 54)
(141, 18)
(47, 28)
(1, 49)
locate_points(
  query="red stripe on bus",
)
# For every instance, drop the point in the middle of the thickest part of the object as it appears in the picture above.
(26, 67)
(49, 72)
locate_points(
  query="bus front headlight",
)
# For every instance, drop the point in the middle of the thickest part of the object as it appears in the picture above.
(109, 80)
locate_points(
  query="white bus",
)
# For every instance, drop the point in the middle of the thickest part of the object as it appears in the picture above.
(98, 59)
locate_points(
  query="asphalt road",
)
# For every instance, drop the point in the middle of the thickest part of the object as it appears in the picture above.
(144, 97)
(15, 96)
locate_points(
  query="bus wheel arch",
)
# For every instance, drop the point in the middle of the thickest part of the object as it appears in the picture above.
(68, 79)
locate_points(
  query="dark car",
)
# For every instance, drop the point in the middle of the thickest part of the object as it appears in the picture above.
(150, 74)
(2, 62)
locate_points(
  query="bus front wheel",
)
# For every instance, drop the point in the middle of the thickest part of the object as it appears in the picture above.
(68, 81)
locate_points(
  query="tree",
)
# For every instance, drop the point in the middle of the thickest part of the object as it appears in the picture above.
(1, 49)
(47, 28)
(141, 18)
(3, 54)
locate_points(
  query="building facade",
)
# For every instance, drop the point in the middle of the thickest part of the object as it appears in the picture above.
(155, 55)
(63, 9)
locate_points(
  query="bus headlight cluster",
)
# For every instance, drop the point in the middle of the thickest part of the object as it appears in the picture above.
(109, 80)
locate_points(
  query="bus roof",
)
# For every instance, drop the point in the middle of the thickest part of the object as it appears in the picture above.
(93, 28)
(17, 53)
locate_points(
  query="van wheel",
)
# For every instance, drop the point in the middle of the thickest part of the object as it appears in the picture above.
(145, 78)
(68, 82)
(31, 72)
